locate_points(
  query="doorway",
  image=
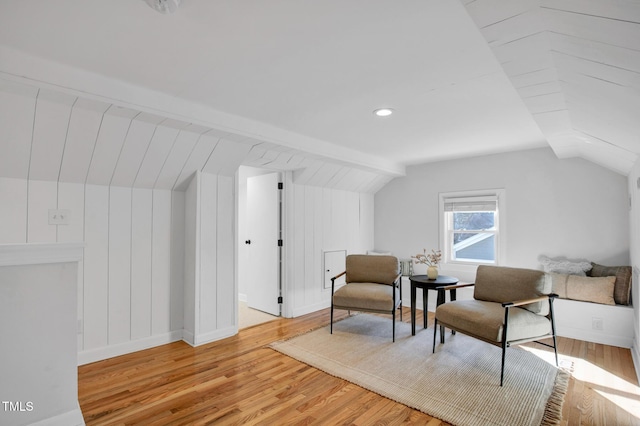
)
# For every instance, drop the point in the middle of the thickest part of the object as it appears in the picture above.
(259, 254)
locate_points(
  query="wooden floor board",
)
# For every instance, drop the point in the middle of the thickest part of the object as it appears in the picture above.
(240, 381)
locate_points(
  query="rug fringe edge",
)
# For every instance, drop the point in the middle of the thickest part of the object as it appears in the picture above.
(553, 411)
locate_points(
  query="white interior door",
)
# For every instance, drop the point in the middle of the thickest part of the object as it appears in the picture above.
(263, 223)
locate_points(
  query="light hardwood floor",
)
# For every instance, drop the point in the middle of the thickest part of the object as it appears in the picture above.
(241, 381)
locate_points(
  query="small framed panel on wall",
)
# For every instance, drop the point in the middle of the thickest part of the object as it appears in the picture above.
(334, 262)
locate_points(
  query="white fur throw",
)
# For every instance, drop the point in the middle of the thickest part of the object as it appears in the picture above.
(564, 266)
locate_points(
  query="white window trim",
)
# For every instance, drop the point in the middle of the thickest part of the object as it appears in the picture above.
(467, 267)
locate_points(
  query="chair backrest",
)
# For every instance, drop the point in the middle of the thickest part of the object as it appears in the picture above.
(502, 284)
(363, 268)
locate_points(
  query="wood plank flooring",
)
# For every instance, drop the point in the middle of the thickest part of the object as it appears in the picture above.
(240, 381)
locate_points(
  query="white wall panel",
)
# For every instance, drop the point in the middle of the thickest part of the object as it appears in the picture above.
(177, 259)
(196, 161)
(42, 197)
(191, 258)
(13, 210)
(119, 265)
(133, 150)
(161, 263)
(302, 242)
(84, 125)
(17, 107)
(176, 160)
(367, 222)
(226, 157)
(320, 227)
(225, 278)
(207, 295)
(107, 149)
(322, 220)
(71, 198)
(338, 178)
(53, 111)
(352, 223)
(159, 148)
(96, 267)
(141, 247)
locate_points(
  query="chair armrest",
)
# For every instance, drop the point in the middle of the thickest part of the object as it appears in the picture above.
(528, 301)
(339, 275)
(454, 286)
(398, 278)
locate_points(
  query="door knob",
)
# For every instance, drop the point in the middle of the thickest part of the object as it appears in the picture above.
(247, 242)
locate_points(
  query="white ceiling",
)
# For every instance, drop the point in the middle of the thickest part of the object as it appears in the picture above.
(465, 78)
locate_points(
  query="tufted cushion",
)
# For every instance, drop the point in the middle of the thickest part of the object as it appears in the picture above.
(366, 296)
(485, 320)
(362, 268)
(502, 284)
(622, 286)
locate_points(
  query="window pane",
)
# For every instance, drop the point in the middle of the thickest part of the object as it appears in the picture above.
(473, 220)
(479, 246)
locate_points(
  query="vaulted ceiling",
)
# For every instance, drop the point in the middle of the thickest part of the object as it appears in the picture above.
(576, 66)
(116, 93)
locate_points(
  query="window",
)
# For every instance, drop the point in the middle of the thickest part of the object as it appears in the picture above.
(470, 227)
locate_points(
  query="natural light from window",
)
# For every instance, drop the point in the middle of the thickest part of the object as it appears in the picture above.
(619, 391)
(471, 228)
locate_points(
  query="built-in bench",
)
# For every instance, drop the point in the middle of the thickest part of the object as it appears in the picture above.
(594, 302)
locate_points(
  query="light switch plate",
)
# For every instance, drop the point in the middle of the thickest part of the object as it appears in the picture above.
(59, 217)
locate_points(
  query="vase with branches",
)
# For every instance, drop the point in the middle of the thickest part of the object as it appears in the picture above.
(431, 260)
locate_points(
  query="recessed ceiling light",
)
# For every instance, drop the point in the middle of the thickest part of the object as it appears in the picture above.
(383, 112)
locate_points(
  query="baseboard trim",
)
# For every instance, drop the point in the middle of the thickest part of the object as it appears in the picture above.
(588, 336)
(212, 336)
(93, 355)
(70, 418)
(311, 308)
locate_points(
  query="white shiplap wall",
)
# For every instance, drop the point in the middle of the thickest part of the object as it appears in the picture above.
(122, 174)
(125, 286)
(322, 219)
(209, 285)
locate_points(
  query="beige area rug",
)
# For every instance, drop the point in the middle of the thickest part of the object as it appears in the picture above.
(459, 384)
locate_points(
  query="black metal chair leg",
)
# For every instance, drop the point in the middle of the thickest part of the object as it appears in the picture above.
(435, 329)
(504, 342)
(393, 332)
(504, 352)
(331, 328)
(553, 329)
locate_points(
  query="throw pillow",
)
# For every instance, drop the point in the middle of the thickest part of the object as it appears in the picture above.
(559, 284)
(622, 288)
(591, 289)
(564, 266)
(378, 253)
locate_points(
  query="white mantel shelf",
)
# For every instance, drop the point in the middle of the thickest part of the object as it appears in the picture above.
(40, 253)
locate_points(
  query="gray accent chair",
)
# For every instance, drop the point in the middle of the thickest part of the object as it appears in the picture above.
(510, 306)
(372, 285)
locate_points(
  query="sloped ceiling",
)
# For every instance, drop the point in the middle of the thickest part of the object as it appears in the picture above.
(115, 93)
(576, 66)
(54, 136)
